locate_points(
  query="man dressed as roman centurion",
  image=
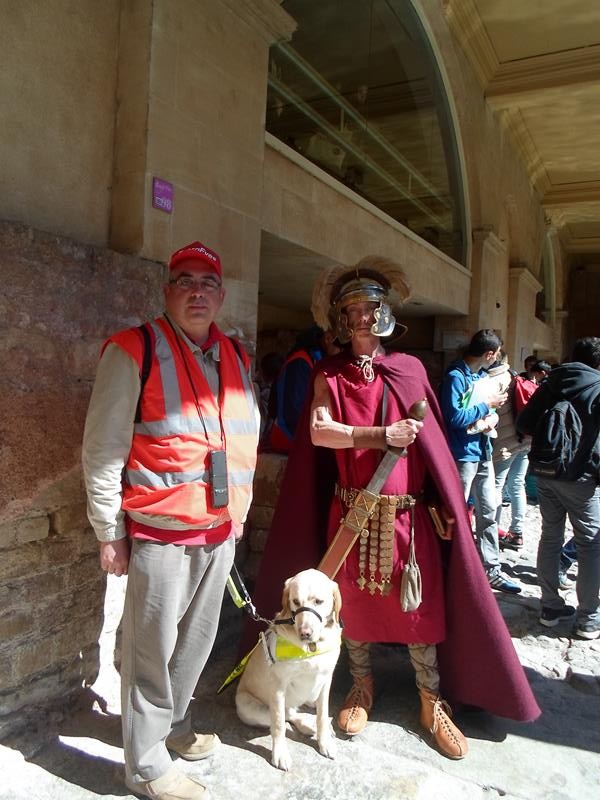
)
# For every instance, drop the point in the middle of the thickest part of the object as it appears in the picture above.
(359, 407)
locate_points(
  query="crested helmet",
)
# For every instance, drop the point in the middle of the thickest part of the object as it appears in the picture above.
(374, 279)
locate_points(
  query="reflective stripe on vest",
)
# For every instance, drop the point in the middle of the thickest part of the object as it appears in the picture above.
(176, 423)
(167, 471)
(143, 477)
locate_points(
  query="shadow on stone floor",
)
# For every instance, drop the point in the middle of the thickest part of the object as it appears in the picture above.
(571, 709)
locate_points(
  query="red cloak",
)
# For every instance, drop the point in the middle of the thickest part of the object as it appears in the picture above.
(477, 661)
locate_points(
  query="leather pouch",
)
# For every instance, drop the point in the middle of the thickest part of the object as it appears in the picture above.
(410, 585)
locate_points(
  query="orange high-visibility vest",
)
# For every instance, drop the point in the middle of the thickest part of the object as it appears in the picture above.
(167, 470)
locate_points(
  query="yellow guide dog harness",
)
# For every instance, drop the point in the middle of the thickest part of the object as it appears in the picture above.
(278, 648)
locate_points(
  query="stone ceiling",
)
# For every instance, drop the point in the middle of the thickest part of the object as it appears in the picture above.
(539, 65)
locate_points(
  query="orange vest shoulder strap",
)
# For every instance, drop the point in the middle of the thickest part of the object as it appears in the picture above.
(131, 342)
(147, 353)
(301, 355)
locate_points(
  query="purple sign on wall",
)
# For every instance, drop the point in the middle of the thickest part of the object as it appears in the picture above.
(162, 195)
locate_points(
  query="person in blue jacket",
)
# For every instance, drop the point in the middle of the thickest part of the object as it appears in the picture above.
(290, 389)
(472, 452)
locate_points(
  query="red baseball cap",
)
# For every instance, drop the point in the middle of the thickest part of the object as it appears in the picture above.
(196, 251)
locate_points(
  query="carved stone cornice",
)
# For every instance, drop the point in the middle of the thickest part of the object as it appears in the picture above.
(485, 237)
(524, 275)
(266, 17)
(520, 76)
(547, 71)
(588, 244)
(570, 243)
(514, 124)
(467, 26)
(569, 193)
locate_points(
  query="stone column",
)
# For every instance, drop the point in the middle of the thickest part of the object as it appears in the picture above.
(489, 284)
(192, 99)
(126, 233)
(521, 337)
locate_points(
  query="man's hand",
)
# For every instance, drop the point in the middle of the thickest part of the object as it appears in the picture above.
(114, 556)
(449, 523)
(402, 433)
(238, 530)
(497, 399)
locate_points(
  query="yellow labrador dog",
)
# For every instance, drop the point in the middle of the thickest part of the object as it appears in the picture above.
(293, 665)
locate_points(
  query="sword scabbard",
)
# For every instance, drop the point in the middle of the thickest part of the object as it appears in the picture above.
(356, 520)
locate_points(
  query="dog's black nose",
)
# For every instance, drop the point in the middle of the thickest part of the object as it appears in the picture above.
(304, 636)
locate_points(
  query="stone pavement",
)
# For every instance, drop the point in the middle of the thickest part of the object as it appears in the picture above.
(555, 758)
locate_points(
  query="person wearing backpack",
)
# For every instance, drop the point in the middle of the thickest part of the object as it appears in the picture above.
(563, 419)
(169, 454)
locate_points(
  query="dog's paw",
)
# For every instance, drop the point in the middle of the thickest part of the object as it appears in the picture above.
(327, 746)
(280, 757)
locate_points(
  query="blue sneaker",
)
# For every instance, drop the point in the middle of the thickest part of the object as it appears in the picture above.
(564, 582)
(502, 583)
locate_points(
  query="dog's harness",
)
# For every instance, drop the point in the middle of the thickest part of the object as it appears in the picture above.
(277, 648)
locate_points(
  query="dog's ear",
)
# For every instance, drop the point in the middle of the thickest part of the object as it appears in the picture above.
(337, 602)
(285, 601)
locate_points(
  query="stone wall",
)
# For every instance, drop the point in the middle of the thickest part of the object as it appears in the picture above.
(59, 300)
(58, 71)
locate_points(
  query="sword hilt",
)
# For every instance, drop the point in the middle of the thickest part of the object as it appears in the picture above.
(417, 411)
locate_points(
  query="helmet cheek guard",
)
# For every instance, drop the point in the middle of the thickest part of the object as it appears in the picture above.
(339, 325)
(385, 321)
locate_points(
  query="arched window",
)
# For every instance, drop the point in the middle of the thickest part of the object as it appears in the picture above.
(358, 92)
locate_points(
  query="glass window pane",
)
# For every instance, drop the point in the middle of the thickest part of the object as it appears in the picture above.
(357, 91)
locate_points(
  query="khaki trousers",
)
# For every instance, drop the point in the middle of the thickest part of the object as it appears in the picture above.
(171, 616)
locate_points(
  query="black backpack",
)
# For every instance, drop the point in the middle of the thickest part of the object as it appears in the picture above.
(558, 448)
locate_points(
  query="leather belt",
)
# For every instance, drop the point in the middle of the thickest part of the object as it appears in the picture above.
(402, 502)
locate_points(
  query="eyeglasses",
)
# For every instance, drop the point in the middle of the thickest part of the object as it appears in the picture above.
(187, 284)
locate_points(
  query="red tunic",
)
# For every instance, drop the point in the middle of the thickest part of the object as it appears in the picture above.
(477, 660)
(373, 617)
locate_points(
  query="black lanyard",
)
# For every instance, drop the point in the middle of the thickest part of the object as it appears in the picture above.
(193, 387)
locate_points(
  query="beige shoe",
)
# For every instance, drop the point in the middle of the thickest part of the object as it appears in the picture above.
(173, 785)
(435, 716)
(357, 705)
(193, 746)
